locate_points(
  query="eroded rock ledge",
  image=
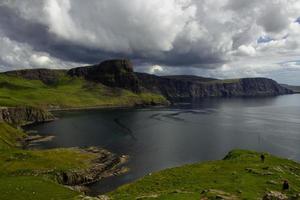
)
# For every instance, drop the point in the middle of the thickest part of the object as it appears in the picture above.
(106, 164)
(21, 116)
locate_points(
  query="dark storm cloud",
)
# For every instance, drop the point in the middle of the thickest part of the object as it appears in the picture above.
(230, 37)
(38, 36)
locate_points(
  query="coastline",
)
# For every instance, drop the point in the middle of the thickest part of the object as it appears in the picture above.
(104, 107)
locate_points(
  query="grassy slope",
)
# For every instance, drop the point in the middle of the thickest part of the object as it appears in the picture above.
(19, 169)
(67, 92)
(9, 137)
(241, 175)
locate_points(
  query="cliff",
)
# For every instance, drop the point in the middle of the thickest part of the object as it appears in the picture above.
(24, 115)
(119, 74)
(181, 89)
(112, 73)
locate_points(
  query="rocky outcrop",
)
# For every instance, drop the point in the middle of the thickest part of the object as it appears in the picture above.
(47, 76)
(105, 165)
(24, 115)
(177, 89)
(112, 73)
(274, 195)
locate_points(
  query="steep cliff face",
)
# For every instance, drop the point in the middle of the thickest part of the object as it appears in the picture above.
(112, 73)
(24, 115)
(177, 89)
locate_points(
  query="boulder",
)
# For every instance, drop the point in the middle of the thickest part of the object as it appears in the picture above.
(274, 195)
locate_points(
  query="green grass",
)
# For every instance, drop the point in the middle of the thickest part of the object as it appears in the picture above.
(241, 175)
(33, 188)
(9, 137)
(30, 174)
(67, 92)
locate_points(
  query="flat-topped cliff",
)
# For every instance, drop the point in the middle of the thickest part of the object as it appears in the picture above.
(113, 73)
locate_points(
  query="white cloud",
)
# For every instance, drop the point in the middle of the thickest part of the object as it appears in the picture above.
(117, 25)
(156, 69)
(246, 50)
(219, 35)
(19, 56)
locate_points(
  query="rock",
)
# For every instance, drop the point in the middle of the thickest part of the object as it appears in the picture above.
(274, 195)
(112, 73)
(78, 188)
(24, 115)
(295, 197)
(106, 164)
(32, 140)
(102, 197)
(272, 182)
(217, 194)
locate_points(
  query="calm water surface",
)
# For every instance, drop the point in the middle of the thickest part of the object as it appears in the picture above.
(160, 138)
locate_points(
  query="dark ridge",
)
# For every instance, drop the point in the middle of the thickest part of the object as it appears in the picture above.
(47, 76)
(113, 73)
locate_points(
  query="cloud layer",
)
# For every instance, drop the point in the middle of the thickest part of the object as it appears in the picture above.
(221, 38)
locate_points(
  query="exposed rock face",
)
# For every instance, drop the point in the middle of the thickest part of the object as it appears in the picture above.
(177, 89)
(48, 76)
(113, 73)
(24, 115)
(105, 165)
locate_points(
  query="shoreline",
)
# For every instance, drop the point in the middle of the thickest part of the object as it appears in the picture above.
(108, 107)
(105, 107)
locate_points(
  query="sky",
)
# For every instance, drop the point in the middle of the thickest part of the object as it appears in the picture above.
(214, 38)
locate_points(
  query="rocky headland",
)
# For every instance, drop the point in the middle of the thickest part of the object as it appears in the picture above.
(120, 74)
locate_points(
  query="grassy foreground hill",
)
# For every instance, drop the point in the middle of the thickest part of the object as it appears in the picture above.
(19, 169)
(241, 175)
(35, 174)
